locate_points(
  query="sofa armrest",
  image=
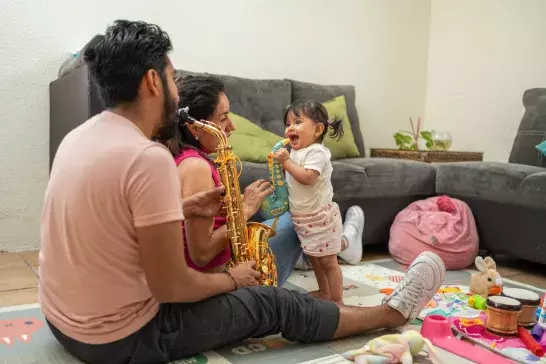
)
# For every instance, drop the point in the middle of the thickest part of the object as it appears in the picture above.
(533, 189)
(500, 182)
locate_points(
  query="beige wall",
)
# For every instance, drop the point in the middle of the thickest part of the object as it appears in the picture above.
(380, 46)
(483, 55)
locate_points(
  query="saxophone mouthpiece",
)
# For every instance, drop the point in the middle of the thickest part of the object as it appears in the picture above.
(184, 116)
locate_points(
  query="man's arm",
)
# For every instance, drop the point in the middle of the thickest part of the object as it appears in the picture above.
(167, 274)
(153, 192)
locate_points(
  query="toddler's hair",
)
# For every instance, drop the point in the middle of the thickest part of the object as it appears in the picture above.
(318, 113)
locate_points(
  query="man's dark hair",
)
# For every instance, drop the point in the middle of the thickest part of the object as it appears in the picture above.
(120, 58)
(202, 94)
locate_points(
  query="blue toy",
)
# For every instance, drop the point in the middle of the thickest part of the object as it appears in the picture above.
(276, 204)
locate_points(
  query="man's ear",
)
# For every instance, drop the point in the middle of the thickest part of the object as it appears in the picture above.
(152, 82)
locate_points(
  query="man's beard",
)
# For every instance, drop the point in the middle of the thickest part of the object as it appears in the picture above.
(169, 122)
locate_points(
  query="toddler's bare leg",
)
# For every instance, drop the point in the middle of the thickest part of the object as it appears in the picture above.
(332, 271)
(324, 290)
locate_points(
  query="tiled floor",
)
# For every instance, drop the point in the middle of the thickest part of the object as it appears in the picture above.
(18, 278)
(19, 274)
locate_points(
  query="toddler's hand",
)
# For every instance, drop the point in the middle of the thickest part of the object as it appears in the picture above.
(282, 155)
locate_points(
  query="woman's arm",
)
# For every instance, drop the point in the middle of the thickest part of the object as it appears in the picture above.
(203, 243)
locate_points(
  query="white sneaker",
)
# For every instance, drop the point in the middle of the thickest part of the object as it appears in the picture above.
(353, 228)
(423, 279)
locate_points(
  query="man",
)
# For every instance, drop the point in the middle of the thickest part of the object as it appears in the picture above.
(114, 285)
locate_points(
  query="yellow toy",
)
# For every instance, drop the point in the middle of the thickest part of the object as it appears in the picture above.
(392, 349)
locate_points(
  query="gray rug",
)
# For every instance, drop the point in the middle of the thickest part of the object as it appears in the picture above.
(25, 338)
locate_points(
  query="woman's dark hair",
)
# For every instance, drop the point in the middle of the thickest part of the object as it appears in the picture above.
(318, 113)
(120, 58)
(201, 94)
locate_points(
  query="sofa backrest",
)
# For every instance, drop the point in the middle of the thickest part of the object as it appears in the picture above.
(531, 131)
(264, 101)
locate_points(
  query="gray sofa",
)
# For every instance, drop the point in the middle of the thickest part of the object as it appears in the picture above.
(508, 200)
(382, 187)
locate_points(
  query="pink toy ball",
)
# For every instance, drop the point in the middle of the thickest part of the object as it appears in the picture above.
(440, 224)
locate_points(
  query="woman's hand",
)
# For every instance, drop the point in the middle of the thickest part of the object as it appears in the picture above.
(245, 274)
(207, 203)
(254, 196)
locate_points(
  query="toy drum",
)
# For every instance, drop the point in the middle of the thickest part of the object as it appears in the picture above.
(502, 315)
(529, 300)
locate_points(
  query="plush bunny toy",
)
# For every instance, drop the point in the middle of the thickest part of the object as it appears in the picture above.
(487, 281)
(393, 348)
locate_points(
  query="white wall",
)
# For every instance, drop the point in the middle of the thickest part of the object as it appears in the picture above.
(378, 45)
(483, 55)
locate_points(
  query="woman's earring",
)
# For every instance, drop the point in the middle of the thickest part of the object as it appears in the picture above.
(196, 137)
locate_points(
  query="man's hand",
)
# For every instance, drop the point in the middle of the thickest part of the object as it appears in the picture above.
(245, 275)
(207, 203)
(282, 156)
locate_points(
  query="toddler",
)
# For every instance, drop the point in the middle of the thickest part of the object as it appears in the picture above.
(308, 170)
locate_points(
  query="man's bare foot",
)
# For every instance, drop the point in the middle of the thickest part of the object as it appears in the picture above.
(320, 295)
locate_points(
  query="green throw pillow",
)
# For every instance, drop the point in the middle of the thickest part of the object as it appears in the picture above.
(346, 146)
(542, 148)
(250, 142)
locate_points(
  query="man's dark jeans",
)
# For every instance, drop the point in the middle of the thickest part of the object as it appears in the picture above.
(184, 329)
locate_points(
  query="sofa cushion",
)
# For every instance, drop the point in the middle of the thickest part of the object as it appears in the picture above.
(357, 178)
(499, 182)
(251, 172)
(346, 146)
(381, 177)
(532, 130)
(250, 142)
(261, 101)
(322, 93)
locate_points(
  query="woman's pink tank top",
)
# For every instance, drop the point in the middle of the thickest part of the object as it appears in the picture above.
(219, 221)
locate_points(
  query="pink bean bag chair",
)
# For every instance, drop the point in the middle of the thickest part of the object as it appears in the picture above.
(439, 224)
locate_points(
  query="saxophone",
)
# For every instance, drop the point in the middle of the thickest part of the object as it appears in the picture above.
(248, 240)
(275, 204)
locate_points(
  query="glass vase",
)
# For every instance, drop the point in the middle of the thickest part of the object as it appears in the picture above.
(442, 140)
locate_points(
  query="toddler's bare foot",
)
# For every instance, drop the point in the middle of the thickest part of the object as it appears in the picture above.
(320, 295)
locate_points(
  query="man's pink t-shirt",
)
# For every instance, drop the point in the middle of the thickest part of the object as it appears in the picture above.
(107, 180)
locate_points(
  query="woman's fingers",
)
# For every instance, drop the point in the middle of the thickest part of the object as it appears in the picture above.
(263, 184)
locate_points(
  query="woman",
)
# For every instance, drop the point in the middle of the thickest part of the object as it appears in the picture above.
(207, 247)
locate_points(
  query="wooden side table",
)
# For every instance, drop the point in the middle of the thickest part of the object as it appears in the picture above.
(428, 156)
